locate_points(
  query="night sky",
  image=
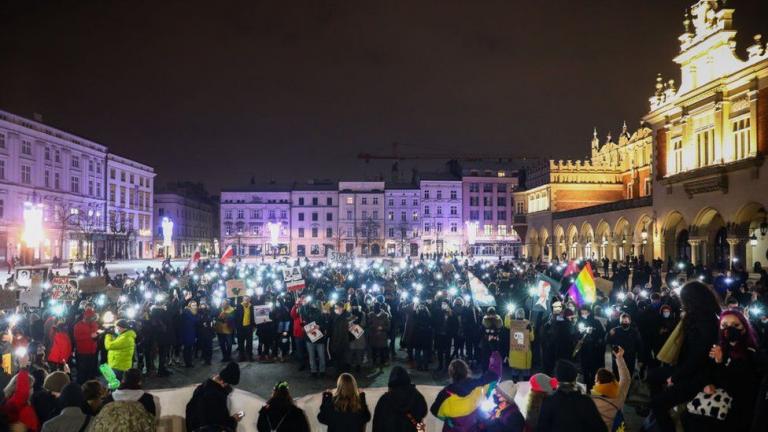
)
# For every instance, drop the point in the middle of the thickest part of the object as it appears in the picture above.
(219, 91)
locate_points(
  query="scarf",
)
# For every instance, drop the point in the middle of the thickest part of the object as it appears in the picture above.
(609, 390)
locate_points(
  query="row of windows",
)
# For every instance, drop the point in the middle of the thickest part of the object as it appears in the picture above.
(439, 227)
(706, 150)
(315, 231)
(315, 201)
(439, 211)
(403, 218)
(488, 187)
(487, 215)
(143, 181)
(403, 202)
(256, 214)
(474, 201)
(439, 194)
(315, 216)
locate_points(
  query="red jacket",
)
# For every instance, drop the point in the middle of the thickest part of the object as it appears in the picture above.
(298, 328)
(84, 343)
(61, 349)
(17, 408)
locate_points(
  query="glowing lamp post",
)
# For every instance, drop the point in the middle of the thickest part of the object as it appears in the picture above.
(167, 225)
(32, 235)
(471, 233)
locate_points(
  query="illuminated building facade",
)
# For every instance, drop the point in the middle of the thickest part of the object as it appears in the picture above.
(361, 217)
(193, 225)
(129, 209)
(488, 211)
(315, 219)
(256, 220)
(442, 214)
(403, 222)
(64, 174)
(710, 141)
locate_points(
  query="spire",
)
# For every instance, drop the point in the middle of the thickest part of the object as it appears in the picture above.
(624, 128)
(595, 140)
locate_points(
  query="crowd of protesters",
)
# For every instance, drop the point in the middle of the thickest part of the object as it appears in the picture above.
(687, 344)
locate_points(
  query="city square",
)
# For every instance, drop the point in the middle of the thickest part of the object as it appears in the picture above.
(245, 216)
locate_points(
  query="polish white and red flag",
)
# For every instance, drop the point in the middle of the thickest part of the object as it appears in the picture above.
(193, 259)
(227, 255)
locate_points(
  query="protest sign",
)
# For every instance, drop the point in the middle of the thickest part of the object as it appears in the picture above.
(313, 332)
(92, 285)
(235, 288)
(261, 314)
(64, 288)
(356, 331)
(293, 279)
(519, 336)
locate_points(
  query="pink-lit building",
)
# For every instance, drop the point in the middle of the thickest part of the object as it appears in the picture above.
(402, 223)
(488, 209)
(314, 219)
(255, 220)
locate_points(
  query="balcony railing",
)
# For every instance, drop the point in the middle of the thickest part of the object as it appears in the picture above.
(605, 208)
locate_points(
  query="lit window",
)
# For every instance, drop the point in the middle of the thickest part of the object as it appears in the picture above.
(741, 140)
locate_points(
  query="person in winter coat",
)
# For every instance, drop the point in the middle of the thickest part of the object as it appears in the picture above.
(280, 414)
(521, 354)
(402, 407)
(338, 345)
(72, 417)
(491, 339)
(162, 333)
(505, 416)
(378, 333)
(130, 390)
(205, 333)
(542, 386)
(456, 328)
(224, 328)
(422, 337)
(567, 410)
(17, 407)
(282, 317)
(189, 323)
(440, 313)
(299, 338)
(310, 313)
(591, 345)
(733, 367)
(557, 338)
(85, 333)
(345, 410)
(244, 325)
(458, 403)
(120, 348)
(42, 400)
(608, 394)
(94, 394)
(61, 349)
(689, 375)
(358, 346)
(208, 406)
(627, 337)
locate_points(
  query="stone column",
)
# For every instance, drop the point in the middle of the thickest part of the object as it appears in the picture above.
(694, 250)
(732, 243)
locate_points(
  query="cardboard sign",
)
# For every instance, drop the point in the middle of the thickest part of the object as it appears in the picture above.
(183, 281)
(295, 286)
(7, 299)
(92, 285)
(313, 332)
(235, 288)
(356, 331)
(519, 335)
(64, 288)
(27, 277)
(291, 274)
(261, 314)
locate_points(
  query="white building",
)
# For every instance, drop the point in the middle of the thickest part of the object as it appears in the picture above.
(314, 219)
(129, 213)
(361, 217)
(402, 222)
(62, 175)
(441, 217)
(193, 226)
(255, 220)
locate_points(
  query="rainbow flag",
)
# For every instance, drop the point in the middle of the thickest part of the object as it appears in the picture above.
(584, 289)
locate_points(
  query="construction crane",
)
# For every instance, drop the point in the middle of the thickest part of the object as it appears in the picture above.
(396, 155)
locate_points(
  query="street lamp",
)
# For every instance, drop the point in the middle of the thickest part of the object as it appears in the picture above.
(32, 234)
(167, 225)
(753, 239)
(644, 234)
(764, 227)
(274, 236)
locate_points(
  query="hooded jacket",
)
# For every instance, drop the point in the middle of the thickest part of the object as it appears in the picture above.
(84, 343)
(394, 407)
(61, 350)
(208, 407)
(144, 398)
(608, 405)
(285, 418)
(120, 350)
(456, 404)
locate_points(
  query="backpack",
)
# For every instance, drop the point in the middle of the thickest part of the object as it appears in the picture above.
(123, 416)
(619, 425)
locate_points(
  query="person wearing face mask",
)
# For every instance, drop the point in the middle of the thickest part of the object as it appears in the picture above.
(189, 323)
(491, 341)
(205, 333)
(338, 345)
(378, 325)
(627, 337)
(442, 337)
(664, 325)
(557, 338)
(591, 345)
(520, 352)
(733, 368)
(120, 348)
(244, 325)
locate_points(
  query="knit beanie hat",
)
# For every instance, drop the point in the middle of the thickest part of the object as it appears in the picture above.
(543, 383)
(566, 371)
(56, 381)
(399, 377)
(230, 374)
(507, 390)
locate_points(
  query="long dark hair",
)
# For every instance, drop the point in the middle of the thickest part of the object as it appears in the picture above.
(700, 304)
(281, 397)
